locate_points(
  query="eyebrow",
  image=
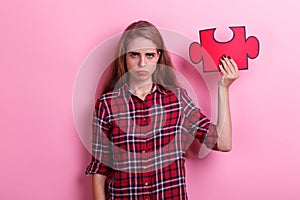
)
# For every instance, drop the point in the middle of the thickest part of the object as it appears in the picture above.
(133, 52)
(148, 53)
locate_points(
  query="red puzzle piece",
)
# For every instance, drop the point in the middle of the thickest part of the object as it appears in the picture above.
(210, 51)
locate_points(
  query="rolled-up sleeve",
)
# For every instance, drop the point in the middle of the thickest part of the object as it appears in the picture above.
(199, 124)
(101, 145)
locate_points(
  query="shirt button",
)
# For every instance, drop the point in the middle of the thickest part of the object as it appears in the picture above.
(144, 119)
(144, 151)
(146, 183)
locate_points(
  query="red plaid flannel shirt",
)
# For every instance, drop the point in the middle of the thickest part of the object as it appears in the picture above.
(140, 145)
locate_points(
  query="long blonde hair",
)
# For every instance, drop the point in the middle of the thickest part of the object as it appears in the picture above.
(164, 73)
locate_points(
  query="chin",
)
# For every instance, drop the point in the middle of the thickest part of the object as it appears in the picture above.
(141, 78)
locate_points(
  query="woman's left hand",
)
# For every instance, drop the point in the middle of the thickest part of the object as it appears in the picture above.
(229, 71)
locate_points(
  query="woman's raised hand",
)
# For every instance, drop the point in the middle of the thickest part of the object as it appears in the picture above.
(229, 71)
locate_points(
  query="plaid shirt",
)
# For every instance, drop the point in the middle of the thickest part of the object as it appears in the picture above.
(140, 145)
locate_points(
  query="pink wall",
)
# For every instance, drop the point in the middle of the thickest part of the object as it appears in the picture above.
(43, 45)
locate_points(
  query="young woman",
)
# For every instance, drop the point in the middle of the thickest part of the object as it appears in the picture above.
(144, 121)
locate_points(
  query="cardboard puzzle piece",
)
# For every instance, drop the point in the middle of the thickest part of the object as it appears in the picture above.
(210, 51)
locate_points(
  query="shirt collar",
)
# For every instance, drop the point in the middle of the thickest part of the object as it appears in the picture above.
(156, 88)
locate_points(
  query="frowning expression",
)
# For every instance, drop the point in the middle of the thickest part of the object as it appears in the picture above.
(141, 59)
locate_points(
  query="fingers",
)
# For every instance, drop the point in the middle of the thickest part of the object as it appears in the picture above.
(229, 70)
(235, 70)
(229, 67)
(224, 73)
(235, 66)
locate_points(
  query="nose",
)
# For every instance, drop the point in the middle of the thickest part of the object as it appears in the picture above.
(142, 61)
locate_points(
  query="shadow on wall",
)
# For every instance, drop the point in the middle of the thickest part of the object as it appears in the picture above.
(190, 79)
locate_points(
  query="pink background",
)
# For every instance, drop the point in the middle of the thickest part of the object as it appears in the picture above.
(44, 43)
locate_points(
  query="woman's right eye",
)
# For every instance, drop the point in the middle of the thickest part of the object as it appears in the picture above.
(134, 55)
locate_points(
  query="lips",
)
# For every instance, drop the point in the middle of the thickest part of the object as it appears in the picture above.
(142, 72)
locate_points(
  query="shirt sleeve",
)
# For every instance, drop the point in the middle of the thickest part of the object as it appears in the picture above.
(101, 146)
(198, 123)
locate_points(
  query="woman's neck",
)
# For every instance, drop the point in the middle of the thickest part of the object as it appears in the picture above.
(141, 89)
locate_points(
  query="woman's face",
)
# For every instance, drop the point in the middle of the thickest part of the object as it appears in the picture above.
(141, 59)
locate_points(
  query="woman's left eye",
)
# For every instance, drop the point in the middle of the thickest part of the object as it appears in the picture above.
(150, 55)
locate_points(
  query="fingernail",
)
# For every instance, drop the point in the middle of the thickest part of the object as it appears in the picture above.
(224, 56)
(229, 57)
